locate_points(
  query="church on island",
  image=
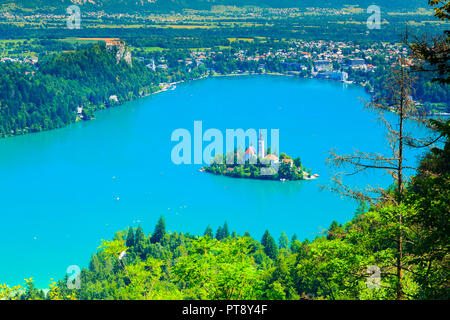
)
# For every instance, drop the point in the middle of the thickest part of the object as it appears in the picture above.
(259, 165)
(270, 158)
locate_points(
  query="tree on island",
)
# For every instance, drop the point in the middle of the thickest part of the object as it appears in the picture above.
(285, 171)
(284, 156)
(275, 169)
(298, 163)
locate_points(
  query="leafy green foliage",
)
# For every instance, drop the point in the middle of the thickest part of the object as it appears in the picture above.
(220, 270)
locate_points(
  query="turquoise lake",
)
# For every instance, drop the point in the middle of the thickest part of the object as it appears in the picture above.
(59, 189)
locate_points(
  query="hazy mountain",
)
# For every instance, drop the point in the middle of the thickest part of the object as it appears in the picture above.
(176, 5)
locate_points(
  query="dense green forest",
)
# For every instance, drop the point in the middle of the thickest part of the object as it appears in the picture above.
(33, 100)
(336, 265)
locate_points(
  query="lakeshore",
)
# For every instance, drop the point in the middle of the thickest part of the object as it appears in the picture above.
(306, 176)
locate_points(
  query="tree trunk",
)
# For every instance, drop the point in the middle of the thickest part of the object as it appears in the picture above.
(400, 187)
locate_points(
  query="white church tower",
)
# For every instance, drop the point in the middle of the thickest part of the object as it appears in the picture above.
(260, 145)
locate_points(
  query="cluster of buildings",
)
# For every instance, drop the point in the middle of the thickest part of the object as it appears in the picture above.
(271, 158)
(332, 60)
(320, 59)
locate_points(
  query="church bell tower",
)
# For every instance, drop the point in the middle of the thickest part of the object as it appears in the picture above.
(261, 145)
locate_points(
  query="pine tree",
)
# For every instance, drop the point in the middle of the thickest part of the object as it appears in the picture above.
(283, 242)
(209, 232)
(270, 246)
(32, 293)
(139, 239)
(298, 162)
(294, 237)
(159, 232)
(130, 238)
(332, 230)
(225, 231)
(294, 243)
(94, 264)
(219, 233)
(247, 234)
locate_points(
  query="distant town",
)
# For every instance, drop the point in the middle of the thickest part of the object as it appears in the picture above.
(349, 62)
(318, 59)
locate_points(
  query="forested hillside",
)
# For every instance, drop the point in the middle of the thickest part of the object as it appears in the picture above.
(33, 100)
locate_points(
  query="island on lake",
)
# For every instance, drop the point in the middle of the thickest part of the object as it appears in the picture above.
(261, 165)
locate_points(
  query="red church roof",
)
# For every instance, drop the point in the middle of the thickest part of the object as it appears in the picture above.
(250, 150)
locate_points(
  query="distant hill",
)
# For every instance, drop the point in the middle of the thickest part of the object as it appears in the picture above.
(177, 5)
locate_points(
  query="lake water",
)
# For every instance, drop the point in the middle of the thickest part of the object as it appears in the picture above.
(59, 189)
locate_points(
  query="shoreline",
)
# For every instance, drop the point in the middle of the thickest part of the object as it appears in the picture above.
(218, 75)
(168, 85)
(304, 177)
(438, 114)
(165, 88)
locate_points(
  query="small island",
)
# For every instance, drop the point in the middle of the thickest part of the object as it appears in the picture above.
(252, 165)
